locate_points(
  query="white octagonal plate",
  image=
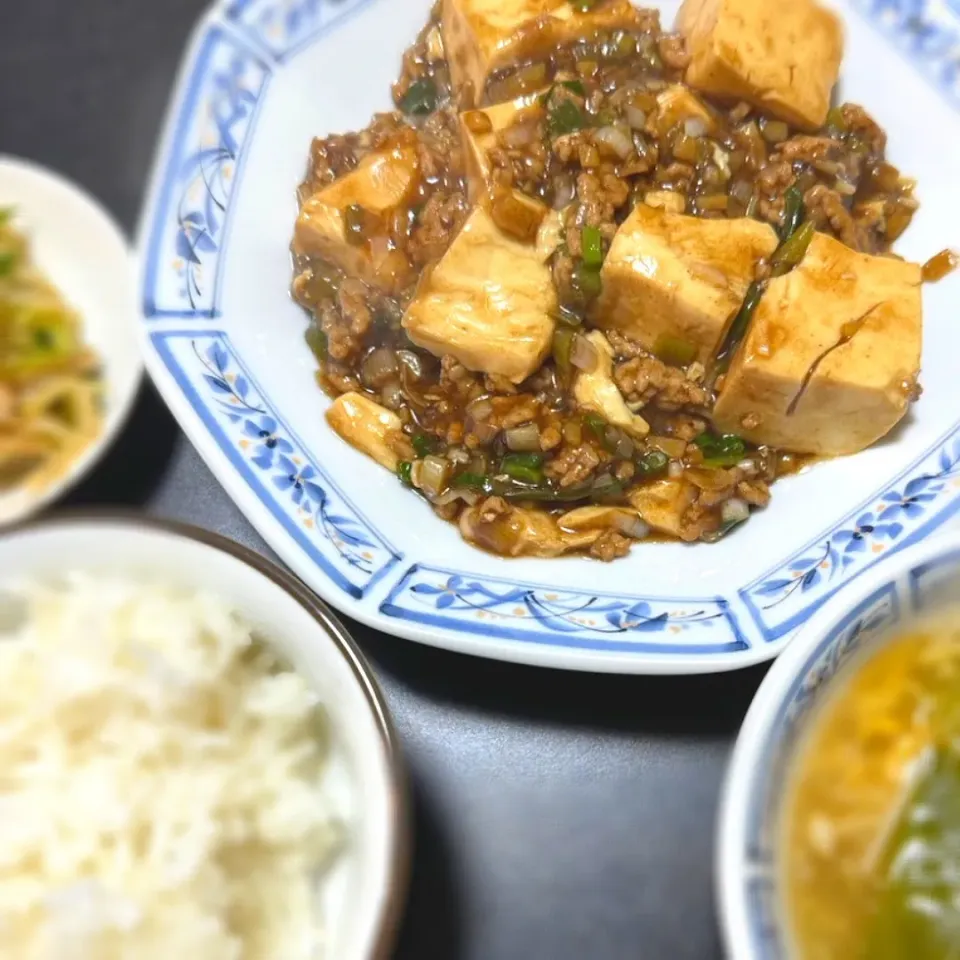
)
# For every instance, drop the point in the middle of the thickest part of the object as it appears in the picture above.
(224, 344)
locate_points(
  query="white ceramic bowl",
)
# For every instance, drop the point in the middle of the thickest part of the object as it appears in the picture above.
(363, 895)
(224, 344)
(748, 827)
(85, 255)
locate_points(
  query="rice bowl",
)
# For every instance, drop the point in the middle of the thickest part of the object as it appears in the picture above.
(358, 827)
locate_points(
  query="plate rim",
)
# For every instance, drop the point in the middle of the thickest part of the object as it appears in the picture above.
(765, 641)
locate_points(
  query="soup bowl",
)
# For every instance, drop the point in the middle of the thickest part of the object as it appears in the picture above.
(846, 630)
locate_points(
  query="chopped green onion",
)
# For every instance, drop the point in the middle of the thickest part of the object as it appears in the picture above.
(423, 444)
(564, 117)
(534, 460)
(469, 481)
(317, 342)
(674, 350)
(421, 97)
(605, 117)
(568, 316)
(625, 46)
(792, 212)
(725, 450)
(606, 488)
(794, 243)
(404, 468)
(355, 224)
(562, 345)
(608, 437)
(592, 244)
(525, 467)
(544, 493)
(587, 280)
(721, 532)
(596, 425)
(574, 86)
(789, 254)
(835, 121)
(512, 490)
(654, 461)
(652, 59)
(738, 328)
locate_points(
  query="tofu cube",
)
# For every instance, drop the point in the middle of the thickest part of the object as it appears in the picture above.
(372, 429)
(783, 57)
(380, 182)
(672, 276)
(489, 302)
(521, 216)
(830, 362)
(478, 133)
(483, 37)
(663, 503)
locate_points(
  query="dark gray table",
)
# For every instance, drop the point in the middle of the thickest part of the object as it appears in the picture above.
(558, 816)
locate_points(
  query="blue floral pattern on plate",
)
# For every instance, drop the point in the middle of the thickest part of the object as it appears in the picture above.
(925, 493)
(283, 26)
(308, 503)
(581, 618)
(205, 163)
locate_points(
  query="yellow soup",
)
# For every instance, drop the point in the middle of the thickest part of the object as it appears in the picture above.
(871, 829)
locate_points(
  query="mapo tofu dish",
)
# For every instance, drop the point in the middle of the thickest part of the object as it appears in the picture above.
(592, 281)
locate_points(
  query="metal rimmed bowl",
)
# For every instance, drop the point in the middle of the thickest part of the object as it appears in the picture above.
(839, 637)
(362, 896)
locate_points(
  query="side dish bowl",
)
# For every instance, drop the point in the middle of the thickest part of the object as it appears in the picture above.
(749, 853)
(362, 896)
(84, 254)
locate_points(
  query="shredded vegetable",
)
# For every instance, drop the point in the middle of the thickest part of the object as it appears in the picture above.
(50, 393)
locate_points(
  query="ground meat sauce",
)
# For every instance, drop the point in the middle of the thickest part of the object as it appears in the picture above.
(509, 462)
